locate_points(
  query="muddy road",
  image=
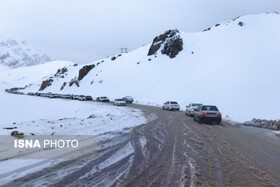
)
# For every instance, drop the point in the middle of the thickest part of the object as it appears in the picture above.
(172, 150)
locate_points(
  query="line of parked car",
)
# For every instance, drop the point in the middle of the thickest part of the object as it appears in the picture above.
(53, 95)
(118, 102)
(200, 113)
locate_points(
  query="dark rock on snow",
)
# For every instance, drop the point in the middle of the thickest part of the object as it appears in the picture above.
(17, 134)
(171, 41)
(45, 84)
(84, 71)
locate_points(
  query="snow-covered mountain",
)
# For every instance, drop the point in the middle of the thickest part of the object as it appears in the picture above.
(4, 68)
(16, 54)
(234, 65)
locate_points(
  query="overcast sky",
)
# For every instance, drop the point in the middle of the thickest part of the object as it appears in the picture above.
(86, 30)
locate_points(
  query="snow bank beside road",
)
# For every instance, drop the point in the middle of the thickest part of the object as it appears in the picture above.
(45, 116)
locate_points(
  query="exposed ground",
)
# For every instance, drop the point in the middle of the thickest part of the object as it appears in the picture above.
(172, 150)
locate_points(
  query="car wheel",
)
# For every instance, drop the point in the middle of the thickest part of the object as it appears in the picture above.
(219, 122)
(199, 120)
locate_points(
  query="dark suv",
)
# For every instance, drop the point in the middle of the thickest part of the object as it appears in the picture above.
(207, 113)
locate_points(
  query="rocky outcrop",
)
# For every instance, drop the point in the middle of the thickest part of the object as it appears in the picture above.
(17, 134)
(170, 41)
(262, 123)
(45, 84)
(63, 85)
(84, 71)
(60, 72)
(74, 81)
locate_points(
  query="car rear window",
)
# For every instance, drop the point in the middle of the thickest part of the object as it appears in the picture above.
(174, 103)
(213, 108)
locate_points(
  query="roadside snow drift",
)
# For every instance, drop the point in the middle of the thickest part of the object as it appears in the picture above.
(233, 65)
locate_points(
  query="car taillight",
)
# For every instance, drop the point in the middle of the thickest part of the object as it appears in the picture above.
(202, 114)
(171, 105)
(192, 109)
(219, 115)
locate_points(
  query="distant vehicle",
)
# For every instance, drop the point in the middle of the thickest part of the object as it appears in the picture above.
(67, 96)
(46, 94)
(190, 108)
(30, 93)
(207, 113)
(171, 105)
(79, 97)
(128, 99)
(119, 102)
(102, 99)
(88, 98)
(53, 96)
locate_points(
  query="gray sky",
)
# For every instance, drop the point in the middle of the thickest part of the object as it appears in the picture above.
(86, 30)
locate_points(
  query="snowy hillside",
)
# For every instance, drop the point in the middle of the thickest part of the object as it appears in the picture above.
(4, 68)
(234, 65)
(22, 76)
(20, 54)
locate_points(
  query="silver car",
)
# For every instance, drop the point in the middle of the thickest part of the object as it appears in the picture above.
(171, 105)
(191, 107)
(207, 113)
(128, 99)
(119, 102)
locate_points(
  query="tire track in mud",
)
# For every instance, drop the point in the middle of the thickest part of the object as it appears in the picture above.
(47, 174)
(169, 165)
(219, 179)
(237, 168)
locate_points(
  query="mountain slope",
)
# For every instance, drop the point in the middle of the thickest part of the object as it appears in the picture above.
(233, 65)
(20, 77)
(19, 54)
(4, 68)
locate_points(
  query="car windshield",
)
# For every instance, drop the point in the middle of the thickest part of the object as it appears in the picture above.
(196, 104)
(174, 103)
(211, 108)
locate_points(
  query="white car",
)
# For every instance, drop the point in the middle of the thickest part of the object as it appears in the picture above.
(191, 108)
(171, 105)
(119, 102)
(102, 99)
(79, 97)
